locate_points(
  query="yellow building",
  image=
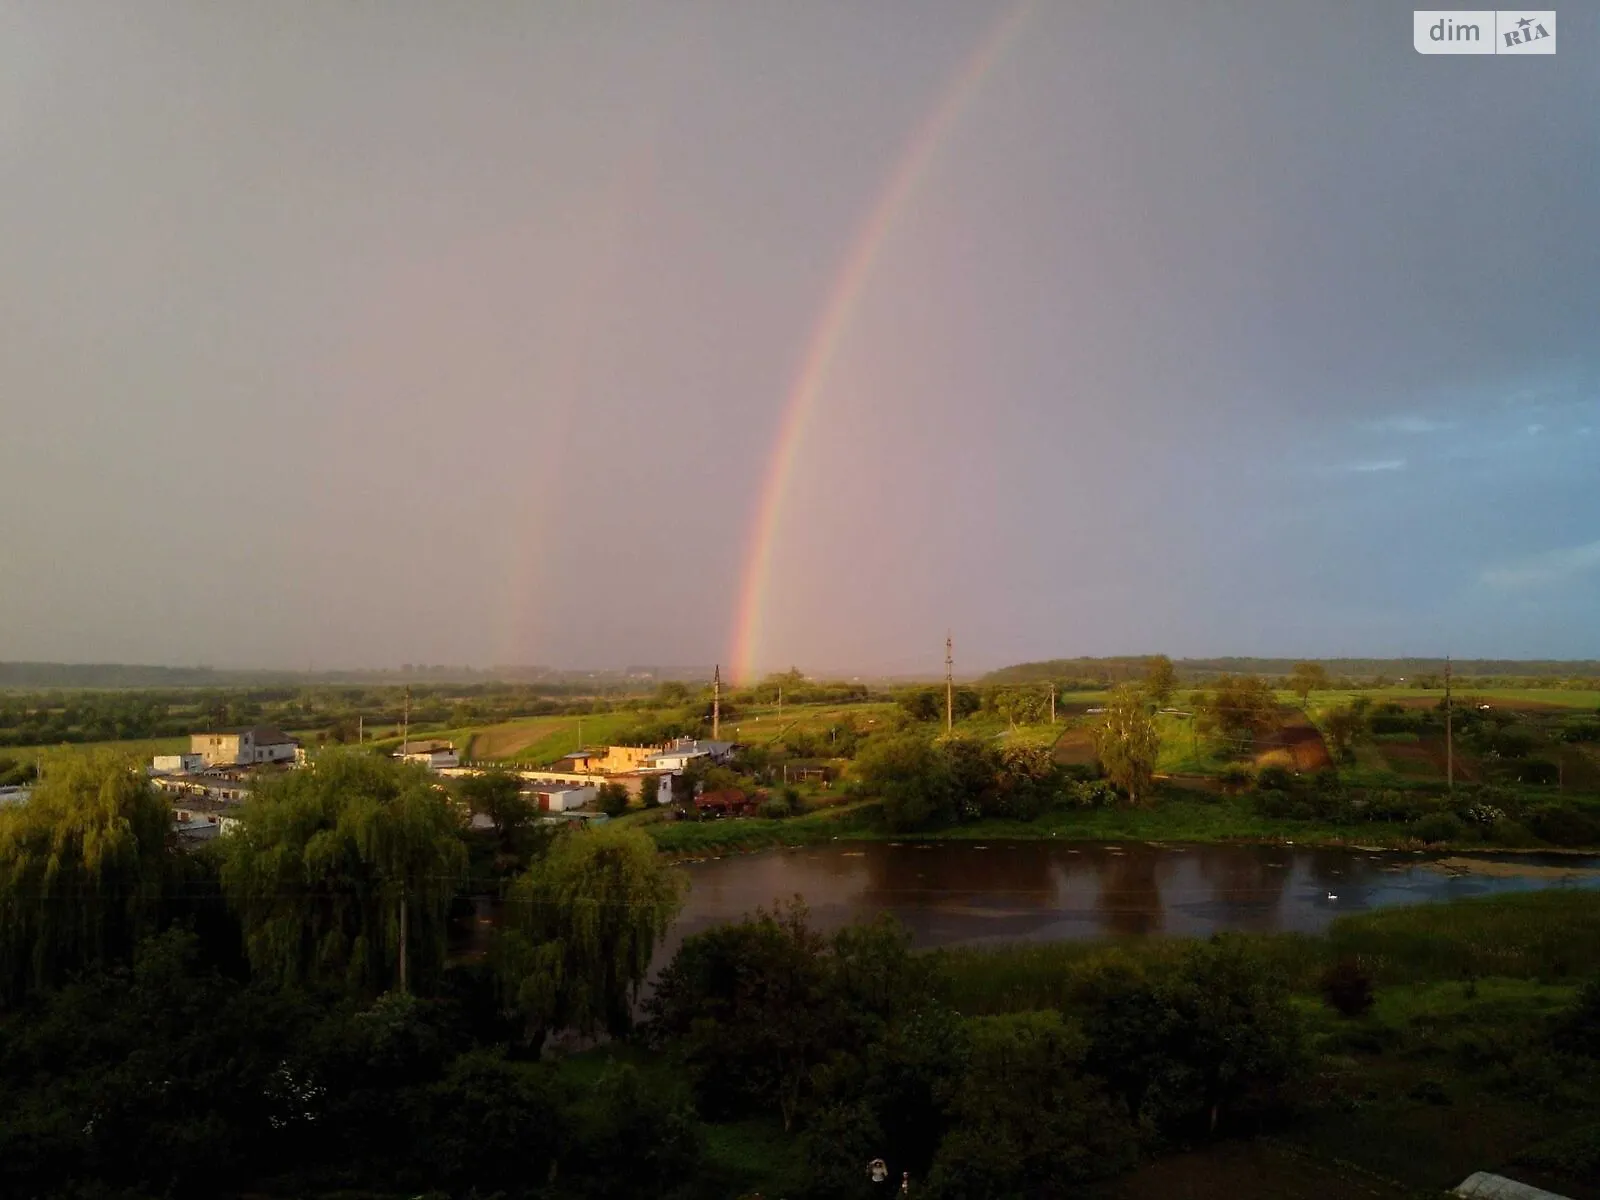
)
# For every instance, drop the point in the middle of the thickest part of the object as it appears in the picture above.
(615, 760)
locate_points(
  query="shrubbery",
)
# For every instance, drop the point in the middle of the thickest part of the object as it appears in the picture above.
(1439, 827)
(1347, 987)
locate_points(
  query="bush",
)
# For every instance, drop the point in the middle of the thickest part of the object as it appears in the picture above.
(1536, 771)
(1429, 1091)
(1397, 807)
(775, 808)
(1274, 777)
(1439, 827)
(1507, 832)
(613, 799)
(1235, 777)
(1581, 1025)
(1565, 825)
(1575, 1154)
(1089, 793)
(1347, 987)
(1274, 804)
(1029, 1119)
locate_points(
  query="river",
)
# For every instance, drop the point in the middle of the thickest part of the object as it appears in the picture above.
(960, 893)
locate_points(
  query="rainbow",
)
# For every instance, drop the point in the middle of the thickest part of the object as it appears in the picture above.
(837, 313)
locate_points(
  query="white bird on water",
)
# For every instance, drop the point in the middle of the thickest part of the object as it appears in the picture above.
(1331, 896)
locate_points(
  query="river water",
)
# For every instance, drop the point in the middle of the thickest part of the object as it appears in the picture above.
(956, 893)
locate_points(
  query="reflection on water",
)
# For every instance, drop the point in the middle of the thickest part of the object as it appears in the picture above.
(950, 893)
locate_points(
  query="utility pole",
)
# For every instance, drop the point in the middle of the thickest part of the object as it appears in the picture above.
(1449, 733)
(361, 729)
(1052, 702)
(780, 704)
(405, 723)
(949, 685)
(716, 703)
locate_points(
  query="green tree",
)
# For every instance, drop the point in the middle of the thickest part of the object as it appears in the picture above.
(973, 767)
(83, 865)
(650, 791)
(335, 868)
(1027, 782)
(1239, 708)
(1307, 677)
(498, 796)
(1191, 1049)
(911, 778)
(923, 704)
(1021, 706)
(613, 799)
(1160, 679)
(1127, 743)
(748, 1006)
(580, 930)
(1028, 1118)
(1346, 727)
(672, 692)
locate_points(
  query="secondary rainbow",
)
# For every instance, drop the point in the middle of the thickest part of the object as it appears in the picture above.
(827, 334)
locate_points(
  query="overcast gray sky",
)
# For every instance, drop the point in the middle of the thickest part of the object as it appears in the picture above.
(358, 334)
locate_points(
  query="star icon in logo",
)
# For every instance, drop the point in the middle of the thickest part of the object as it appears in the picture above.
(1525, 22)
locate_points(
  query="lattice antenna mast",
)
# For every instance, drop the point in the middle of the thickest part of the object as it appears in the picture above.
(949, 685)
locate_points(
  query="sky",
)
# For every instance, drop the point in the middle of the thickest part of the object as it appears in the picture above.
(597, 334)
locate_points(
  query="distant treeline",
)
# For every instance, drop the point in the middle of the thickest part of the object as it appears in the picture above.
(56, 715)
(120, 675)
(1422, 672)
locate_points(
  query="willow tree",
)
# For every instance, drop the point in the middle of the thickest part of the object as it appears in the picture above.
(82, 869)
(581, 928)
(343, 874)
(1127, 743)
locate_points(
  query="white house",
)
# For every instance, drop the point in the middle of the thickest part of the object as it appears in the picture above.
(555, 798)
(177, 764)
(244, 747)
(682, 752)
(435, 755)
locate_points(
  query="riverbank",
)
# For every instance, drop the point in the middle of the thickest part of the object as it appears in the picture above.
(1214, 819)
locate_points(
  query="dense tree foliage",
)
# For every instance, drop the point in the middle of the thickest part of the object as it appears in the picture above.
(336, 869)
(1126, 742)
(1160, 680)
(84, 867)
(928, 704)
(1194, 1048)
(1027, 1118)
(1237, 708)
(580, 929)
(756, 1008)
(912, 779)
(1307, 677)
